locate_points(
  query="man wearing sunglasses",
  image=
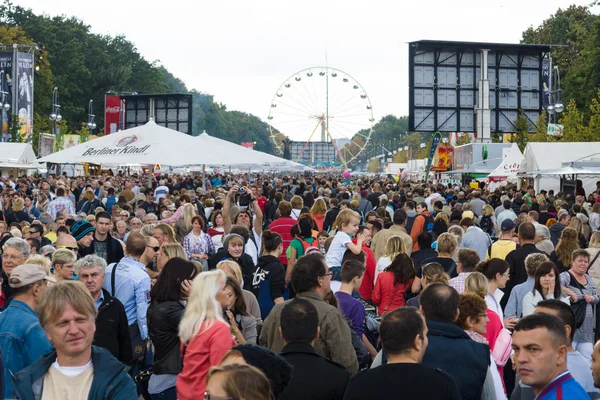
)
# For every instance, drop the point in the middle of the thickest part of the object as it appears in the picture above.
(36, 231)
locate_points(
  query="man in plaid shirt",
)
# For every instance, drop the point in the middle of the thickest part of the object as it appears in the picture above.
(60, 203)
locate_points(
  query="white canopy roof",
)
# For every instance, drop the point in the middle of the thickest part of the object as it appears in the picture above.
(17, 153)
(152, 144)
(508, 168)
(545, 156)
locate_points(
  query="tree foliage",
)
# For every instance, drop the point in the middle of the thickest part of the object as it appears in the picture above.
(578, 59)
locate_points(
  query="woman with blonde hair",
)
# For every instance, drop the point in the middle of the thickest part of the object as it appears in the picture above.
(40, 260)
(594, 252)
(487, 222)
(394, 246)
(183, 226)
(318, 211)
(168, 251)
(578, 226)
(595, 218)
(297, 203)
(567, 244)
(446, 246)
(204, 334)
(432, 273)
(164, 233)
(239, 382)
(17, 213)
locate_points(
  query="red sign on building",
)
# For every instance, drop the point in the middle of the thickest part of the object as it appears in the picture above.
(112, 112)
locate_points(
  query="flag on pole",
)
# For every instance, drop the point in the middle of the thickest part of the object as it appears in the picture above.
(434, 144)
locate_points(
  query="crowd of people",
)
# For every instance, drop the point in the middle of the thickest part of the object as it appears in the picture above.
(272, 287)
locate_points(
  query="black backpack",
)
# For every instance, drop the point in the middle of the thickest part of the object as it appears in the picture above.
(409, 224)
(428, 227)
(486, 224)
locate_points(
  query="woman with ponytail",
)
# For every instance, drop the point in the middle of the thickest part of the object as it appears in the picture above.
(270, 274)
(496, 272)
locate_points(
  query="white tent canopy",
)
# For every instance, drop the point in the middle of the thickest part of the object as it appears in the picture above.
(540, 156)
(152, 144)
(508, 168)
(17, 153)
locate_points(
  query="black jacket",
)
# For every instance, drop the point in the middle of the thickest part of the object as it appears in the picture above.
(17, 216)
(114, 250)
(245, 262)
(330, 218)
(163, 323)
(516, 262)
(313, 376)
(112, 329)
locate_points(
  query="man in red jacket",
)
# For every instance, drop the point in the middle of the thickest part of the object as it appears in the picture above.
(420, 224)
(283, 225)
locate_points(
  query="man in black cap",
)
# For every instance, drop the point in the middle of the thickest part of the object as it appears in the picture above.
(505, 244)
(313, 376)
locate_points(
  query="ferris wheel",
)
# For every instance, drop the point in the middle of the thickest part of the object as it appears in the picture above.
(322, 104)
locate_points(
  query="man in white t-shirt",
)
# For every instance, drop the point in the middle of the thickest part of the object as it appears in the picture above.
(161, 192)
(76, 369)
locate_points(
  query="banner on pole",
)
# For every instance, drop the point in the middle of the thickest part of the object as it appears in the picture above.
(434, 144)
(25, 90)
(46, 145)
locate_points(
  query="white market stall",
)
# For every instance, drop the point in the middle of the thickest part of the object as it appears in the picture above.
(508, 168)
(542, 163)
(17, 156)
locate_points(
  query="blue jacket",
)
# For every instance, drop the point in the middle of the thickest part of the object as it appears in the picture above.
(454, 352)
(22, 340)
(110, 381)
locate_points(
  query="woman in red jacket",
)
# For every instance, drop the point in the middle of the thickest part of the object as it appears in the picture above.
(392, 283)
(205, 336)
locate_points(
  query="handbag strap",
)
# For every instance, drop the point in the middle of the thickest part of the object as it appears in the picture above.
(391, 299)
(593, 261)
(112, 279)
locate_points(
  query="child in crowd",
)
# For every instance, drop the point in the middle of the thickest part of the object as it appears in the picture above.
(394, 246)
(352, 276)
(322, 238)
(348, 222)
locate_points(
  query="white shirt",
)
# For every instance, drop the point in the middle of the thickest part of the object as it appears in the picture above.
(337, 249)
(382, 264)
(161, 192)
(71, 371)
(493, 303)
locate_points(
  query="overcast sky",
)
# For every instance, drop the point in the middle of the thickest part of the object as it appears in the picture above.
(242, 51)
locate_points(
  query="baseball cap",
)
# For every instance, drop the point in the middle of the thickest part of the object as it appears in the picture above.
(26, 274)
(45, 219)
(507, 225)
(468, 214)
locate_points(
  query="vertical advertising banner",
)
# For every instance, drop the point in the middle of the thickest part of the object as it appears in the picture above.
(546, 82)
(6, 66)
(434, 144)
(112, 112)
(25, 92)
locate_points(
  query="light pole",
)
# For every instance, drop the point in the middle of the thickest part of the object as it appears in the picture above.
(91, 124)
(555, 106)
(55, 114)
(4, 105)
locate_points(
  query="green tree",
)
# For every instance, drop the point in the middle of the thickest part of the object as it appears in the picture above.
(15, 130)
(574, 128)
(541, 129)
(522, 128)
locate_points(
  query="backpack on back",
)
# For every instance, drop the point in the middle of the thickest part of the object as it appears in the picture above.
(428, 226)
(409, 224)
(309, 248)
(486, 224)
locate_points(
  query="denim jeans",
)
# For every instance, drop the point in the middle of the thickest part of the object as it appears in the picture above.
(169, 394)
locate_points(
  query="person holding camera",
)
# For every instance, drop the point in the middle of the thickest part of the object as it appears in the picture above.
(246, 200)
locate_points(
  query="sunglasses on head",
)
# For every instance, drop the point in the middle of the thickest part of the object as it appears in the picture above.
(69, 248)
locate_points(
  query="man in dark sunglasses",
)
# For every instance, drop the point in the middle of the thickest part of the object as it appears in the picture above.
(36, 231)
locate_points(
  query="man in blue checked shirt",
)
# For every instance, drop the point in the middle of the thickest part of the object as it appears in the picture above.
(131, 285)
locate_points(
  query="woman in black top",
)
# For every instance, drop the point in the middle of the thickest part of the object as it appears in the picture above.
(17, 213)
(168, 296)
